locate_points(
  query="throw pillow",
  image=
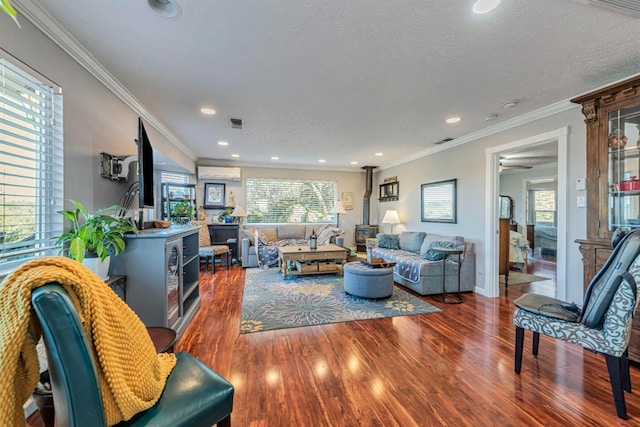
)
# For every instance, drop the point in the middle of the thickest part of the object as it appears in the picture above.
(437, 241)
(388, 241)
(327, 234)
(247, 233)
(317, 228)
(411, 241)
(271, 233)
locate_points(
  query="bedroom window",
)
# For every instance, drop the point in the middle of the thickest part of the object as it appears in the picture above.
(272, 200)
(31, 165)
(544, 207)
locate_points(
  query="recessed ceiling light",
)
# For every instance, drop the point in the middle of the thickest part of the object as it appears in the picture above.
(235, 155)
(165, 8)
(378, 154)
(353, 163)
(223, 143)
(275, 157)
(510, 104)
(207, 110)
(452, 120)
(490, 117)
(484, 6)
(321, 160)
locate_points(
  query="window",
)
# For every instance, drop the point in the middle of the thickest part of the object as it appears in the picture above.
(544, 207)
(31, 166)
(174, 178)
(289, 201)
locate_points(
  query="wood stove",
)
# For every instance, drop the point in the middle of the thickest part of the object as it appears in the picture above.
(364, 232)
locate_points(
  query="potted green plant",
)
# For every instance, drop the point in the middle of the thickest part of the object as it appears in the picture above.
(93, 237)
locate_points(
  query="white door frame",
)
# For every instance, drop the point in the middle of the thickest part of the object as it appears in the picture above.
(492, 177)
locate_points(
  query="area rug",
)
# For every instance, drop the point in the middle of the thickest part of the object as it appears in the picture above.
(517, 278)
(271, 302)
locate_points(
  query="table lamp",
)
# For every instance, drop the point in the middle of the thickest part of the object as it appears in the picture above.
(391, 217)
(239, 212)
(338, 209)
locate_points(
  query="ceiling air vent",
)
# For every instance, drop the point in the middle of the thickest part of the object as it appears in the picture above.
(236, 123)
(628, 7)
(443, 141)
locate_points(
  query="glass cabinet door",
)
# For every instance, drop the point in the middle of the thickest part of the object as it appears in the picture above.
(624, 168)
(173, 260)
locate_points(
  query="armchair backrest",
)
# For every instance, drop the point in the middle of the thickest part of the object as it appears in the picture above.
(605, 283)
(74, 379)
(204, 238)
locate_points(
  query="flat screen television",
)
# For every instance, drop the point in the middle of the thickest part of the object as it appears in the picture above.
(145, 169)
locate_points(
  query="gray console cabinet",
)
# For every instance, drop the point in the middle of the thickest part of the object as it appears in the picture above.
(162, 269)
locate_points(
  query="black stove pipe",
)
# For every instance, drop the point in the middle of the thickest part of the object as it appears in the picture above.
(366, 202)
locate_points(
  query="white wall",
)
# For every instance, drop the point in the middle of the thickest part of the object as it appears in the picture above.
(347, 181)
(95, 120)
(466, 163)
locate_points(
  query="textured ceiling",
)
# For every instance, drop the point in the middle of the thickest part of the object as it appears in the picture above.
(342, 80)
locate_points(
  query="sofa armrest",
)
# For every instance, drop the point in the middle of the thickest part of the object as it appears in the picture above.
(245, 248)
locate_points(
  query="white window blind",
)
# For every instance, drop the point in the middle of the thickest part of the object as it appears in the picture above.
(31, 165)
(289, 200)
(174, 178)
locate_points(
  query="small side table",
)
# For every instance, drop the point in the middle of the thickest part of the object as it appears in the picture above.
(163, 338)
(447, 253)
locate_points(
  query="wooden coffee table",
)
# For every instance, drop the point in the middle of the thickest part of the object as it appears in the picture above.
(288, 255)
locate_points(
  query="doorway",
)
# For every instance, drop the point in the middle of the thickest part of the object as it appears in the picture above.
(493, 159)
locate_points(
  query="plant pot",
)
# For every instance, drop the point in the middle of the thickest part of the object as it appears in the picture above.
(100, 268)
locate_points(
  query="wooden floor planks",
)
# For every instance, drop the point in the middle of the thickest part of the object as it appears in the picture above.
(453, 368)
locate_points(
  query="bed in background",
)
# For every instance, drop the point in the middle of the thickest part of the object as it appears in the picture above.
(545, 238)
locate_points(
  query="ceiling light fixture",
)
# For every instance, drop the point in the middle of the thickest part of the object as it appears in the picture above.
(510, 104)
(275, 158)
(165, 8)
(223, 143)
(484, 6)
(322, 160)
(207, 110)
(378, 154)
(452, 120)
(353, 163)
(235, 155)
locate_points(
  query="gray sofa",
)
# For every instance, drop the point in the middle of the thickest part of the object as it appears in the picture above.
(281, 234)
(424, 276)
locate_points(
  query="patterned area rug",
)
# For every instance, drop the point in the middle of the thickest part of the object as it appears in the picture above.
(517, 278)
(270, 302)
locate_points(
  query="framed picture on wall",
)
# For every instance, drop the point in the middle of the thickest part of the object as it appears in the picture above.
(347, 200)
(213, 196)
(438, 201)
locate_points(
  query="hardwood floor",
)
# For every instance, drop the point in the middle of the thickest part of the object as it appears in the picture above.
(452, 368)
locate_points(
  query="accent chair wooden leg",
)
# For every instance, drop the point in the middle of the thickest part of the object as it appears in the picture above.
(626, 376)
(213, 264)
(225, 422)
(614, 366)
(227, 262)
(536, 343)
(518, 350)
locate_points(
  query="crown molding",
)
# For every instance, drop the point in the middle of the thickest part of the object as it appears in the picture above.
(42, 19)
(523, 119)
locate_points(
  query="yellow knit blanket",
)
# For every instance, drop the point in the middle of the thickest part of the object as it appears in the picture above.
(131, 374)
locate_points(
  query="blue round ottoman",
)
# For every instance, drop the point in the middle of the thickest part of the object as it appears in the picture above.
(367, 282)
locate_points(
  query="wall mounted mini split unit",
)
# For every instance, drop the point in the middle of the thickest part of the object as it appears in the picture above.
(218, 173)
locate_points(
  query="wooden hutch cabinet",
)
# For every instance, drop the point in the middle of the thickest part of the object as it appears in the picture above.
(613, 172)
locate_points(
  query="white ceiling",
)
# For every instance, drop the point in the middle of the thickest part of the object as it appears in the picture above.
(341, 80)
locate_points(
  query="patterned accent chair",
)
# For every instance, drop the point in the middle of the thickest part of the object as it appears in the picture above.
(209, 252)
(610, 338)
